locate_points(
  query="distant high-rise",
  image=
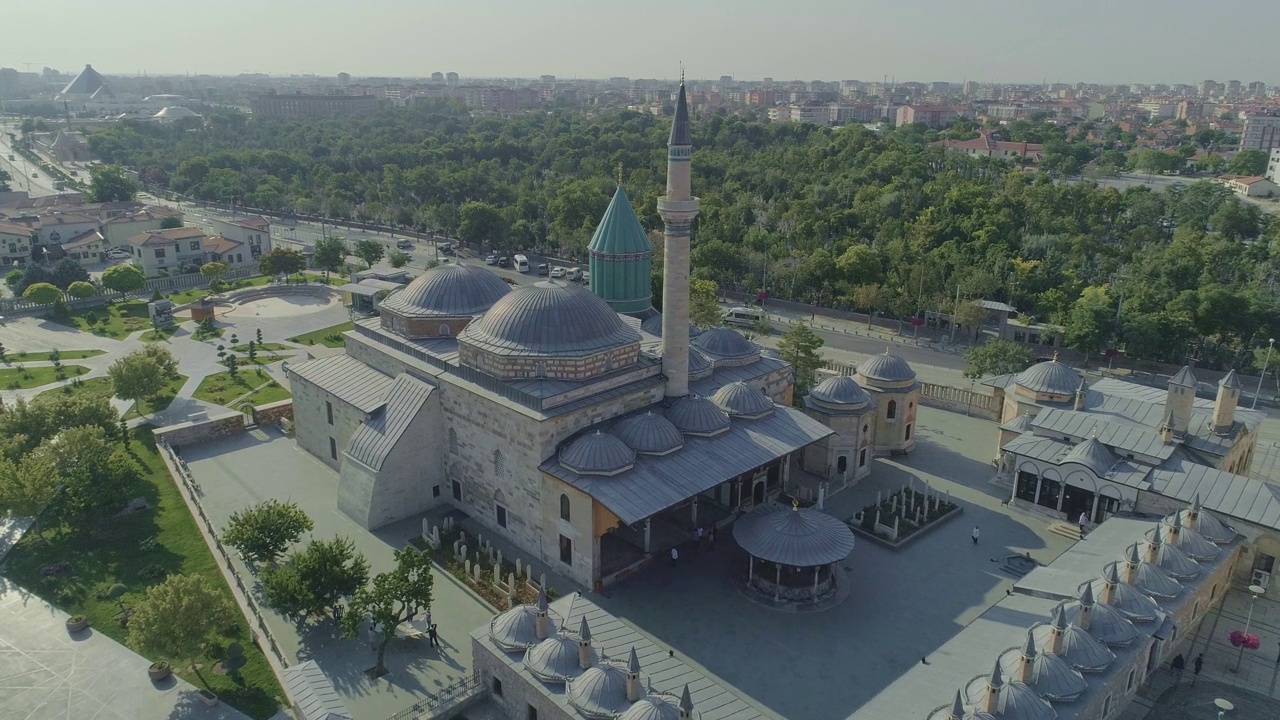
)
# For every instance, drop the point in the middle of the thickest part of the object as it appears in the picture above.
(437, 77)
(547, 78)
(1208, 88)
(1261, 132)
(1234, 88)
(344, 80)
(310, 107)
(451, 78)
(1257, 89)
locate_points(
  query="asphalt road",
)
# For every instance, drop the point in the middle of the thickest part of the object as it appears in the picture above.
(20, 168)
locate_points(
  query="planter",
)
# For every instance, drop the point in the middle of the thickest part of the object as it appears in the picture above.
(76, 623)
(159, 671)
(209, 697)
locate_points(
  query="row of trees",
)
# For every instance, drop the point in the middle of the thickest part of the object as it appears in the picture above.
(842, 217)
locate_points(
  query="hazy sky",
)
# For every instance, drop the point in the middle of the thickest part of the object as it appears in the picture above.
(1145, 41)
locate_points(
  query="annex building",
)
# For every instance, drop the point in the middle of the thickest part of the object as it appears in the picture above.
(583, 426)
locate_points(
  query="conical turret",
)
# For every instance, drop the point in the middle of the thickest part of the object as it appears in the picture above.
(677, 208)
(994, 685)
(686, 704)
(622, 258)
(584, 644)
(957, 708)
(633, 676)
(1027, 668)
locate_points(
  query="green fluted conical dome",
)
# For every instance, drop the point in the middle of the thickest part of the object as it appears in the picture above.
(621, 258)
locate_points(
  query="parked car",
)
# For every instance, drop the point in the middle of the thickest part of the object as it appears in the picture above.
(557, 272)
(446, 249)
(504, 261)
(119, 254)
(574, 274)
(543, 268)
(491, 260)
(586, 278)
(405, 244)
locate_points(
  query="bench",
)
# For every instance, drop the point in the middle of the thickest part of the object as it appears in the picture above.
(899, 453)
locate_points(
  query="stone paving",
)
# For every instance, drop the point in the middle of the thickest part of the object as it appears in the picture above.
(245, 469)
(47, 673)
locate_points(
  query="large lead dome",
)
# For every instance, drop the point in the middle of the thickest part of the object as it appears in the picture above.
(549, 319)
(448, 291)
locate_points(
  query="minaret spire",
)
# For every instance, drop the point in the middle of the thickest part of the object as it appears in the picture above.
(678, 208)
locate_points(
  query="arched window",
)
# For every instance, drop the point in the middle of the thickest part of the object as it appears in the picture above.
(444, 331)
(453, 441)
(499, 465)
(842, 464)
(891, 410)
(564, 507)
(908, 435)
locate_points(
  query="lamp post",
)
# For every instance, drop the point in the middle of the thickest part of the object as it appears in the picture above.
(1255, 591)
(1271, 343)
(1224, 706)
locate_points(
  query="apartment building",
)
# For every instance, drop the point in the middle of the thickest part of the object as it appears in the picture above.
(934, 116)
(15, 245)
(253, 233)
(311, 107)
(159, 252)
(117, 230)
(1261, 132)
(1273, 166)
(87, 248)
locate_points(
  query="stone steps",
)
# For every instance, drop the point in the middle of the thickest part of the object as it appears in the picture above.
(1066, 530)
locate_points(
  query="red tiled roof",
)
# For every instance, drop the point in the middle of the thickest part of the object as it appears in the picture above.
(253, 222)
(165, 237)
(87, 237)
(219, 244)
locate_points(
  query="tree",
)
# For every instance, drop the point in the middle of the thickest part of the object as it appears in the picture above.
(163, 359)
(330, 254)
(109, 183)
(704, 309)
(136, 376)
(15, 279)
(997, 357)
(264, 531)
(1248, 162)
(80, 289)
(869, 297)
(1089, 323)
(95, 481)
(369, 250)
(213, 271)
(282, 261)
(392, 598)
(27, 486)
(398, 258)
(801, 347)
(123, 278)
(42, 293)
(314, 579)
(175, 618)
(66, 271)
(24, 425)
(171, 222)
(480, 222)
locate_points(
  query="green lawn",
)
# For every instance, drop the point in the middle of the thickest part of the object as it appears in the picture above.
(329, 337)
(15, 378)
(101, 386)
(115, 320)
(263, 347)
(182, 297)
(138, 551)
(158, 335)
(221, 389)
(21, 356)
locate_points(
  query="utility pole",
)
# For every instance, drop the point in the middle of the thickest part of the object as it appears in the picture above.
(953, 315)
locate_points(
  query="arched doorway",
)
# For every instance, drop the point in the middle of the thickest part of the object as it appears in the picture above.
(250, 415)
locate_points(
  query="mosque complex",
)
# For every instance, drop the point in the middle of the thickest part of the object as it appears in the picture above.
(595, 434)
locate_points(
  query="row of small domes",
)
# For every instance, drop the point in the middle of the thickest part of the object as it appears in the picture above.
(650, 433)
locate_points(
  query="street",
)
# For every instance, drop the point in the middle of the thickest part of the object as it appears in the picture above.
(21, 169)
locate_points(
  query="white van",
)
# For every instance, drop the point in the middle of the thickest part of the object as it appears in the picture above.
(522, 263)
(743, 316)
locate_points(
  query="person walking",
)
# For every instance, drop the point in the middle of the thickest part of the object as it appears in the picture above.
(434, 640)
(1195, 667)
(675, 556)
(337, 614)
(1083, 522)
(1178, 665)
(711, 545)
(697, 538)
(975, 534)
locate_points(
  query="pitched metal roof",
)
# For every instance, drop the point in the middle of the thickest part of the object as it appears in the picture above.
(1093, 455)
(1019, 424)
(313, 694)
(1237, 496)
(619, 231)
(656, 483)
(1054, 451)
(1114, 432)
(549, 318)
(614, 638)
(374, 439)
(347, 379)
(795, 536)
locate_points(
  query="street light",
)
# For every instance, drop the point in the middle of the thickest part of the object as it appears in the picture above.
(1255, 591)
(1271, 343)
(1224, 706)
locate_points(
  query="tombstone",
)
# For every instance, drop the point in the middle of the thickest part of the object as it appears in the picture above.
(435, 535)
(878, 501)
(895, 528)
(497, 575)
(511, 584)
(499, 560)
(466, 564)
(518, 566)
(161, 312)
(877, 520)
(457, 549)
(475, 573)
(462, 536)
(528, 572)
(426, 529)
(893, 507)
(463, 553)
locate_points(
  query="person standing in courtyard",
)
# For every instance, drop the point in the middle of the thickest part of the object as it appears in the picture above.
(1195, 667)
(975, 534)
(1083, 522)
(711, 544)
(675, 556)
(432, 637)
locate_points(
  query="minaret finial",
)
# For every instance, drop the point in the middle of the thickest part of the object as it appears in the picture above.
(619, 174)
(681, 72)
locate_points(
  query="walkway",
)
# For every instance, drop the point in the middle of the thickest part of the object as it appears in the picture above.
(48, 674)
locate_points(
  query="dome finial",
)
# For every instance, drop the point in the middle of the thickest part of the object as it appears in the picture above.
(795, 504)
(619, 173)
(1055, 356)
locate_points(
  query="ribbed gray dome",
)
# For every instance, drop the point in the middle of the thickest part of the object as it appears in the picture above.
(653, 707)
(653, 326)
(1093, 455)
(1052, 677)
(699, 365)
(800, 537)
(840, 391)
(600, 692)
(723, 343)
(448, 291)
(555, 659)
(1210, 527)
(1014, 701)
(1129, 600)
(1052, 378)
(517, 629)
(1019, 424)
(1188, 541)
(1105, 622)
(886, 367)
(1150, 578)
(695, 415)
(597, 453)
(1171, 559)
(549, 318)
(649, 434)
(741, 400)
(1081, 650)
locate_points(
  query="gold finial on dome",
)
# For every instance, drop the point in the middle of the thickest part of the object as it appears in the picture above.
(1055, 356)
(795, 504)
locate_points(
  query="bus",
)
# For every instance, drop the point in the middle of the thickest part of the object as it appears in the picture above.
(522, 264)
(743, 316)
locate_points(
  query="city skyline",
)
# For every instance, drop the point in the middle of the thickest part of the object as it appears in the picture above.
(806, 40)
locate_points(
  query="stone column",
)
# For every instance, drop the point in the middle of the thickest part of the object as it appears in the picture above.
(648, 535)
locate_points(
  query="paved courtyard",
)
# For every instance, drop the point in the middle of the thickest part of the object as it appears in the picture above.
(48, 674)
(245, 469)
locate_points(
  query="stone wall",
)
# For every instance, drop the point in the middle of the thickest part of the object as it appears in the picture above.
(550, 367)
(961, 400)
(423, 327)
(514, 692)
(272, 413)
(198, 431)
(313, 430)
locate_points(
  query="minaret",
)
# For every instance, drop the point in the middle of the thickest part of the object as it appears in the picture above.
(678, 208)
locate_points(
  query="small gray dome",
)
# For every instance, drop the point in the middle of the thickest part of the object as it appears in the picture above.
(516, 630)
(597, 453)
(1106, 623)
(649, 434)
(723, 343)
(1093, 455)
(699, 365)
(1020, 424)
(1052, 378)
(653, 326)
(1213, 529)
(1170, 558)
(1015, 701)
(1052, 677)
(653, 707)
(1129, 600)
(448, 291)
(741, 400)
(841, 390)
(1081, 650)
(795, 536)
(696, 415)
(886, 367)
(555, 659)
(549, 318)
(600, 692)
